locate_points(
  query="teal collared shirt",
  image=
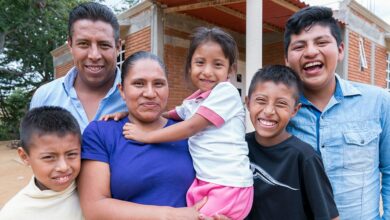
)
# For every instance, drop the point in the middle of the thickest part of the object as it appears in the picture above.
(60, 92)
(352, 135)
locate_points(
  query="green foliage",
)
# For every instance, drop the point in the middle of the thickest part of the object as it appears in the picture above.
(29, 30)
(12, 110)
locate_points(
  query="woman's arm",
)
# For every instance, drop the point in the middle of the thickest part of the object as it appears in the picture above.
(179, 131)
(96, 201)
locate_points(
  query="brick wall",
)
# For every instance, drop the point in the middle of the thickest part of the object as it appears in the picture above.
(380, 66)
(174, 57)
(355, 73)
(138, 41)
(62, 69)
(273, 54)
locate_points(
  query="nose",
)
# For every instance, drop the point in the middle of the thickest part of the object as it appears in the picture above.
(94, 52)
(62, 165)
(269, 110)
(207, 70)
(149, 91)
(311, 50)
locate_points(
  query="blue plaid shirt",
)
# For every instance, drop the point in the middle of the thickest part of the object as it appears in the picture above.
(352, 134)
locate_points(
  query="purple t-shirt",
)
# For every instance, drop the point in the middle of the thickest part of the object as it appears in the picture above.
(150, 174)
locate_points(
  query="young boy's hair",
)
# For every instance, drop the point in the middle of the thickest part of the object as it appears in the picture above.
(277, 74)
(140, 55)
(306, 18)
(203, 35)
(95, 12)
(47, 120)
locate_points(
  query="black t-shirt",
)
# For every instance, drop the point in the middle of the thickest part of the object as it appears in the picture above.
(289, 182)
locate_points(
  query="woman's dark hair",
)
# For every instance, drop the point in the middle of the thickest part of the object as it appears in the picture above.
(140, 55)
(277, 74)
(226, 41)
(47, 120)
(95, 12)
(305, 18)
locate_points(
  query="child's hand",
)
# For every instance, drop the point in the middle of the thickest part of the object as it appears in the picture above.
(131, 131)
(116, 116)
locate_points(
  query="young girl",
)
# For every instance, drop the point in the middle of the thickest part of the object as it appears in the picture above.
(214, 123)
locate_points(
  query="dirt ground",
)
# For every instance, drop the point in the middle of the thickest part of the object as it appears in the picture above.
(14, 175)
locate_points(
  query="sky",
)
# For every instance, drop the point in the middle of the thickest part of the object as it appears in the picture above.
(379, 7)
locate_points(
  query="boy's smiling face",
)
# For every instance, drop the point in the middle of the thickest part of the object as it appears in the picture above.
(55, 160)
(270, 107)
(314, 54)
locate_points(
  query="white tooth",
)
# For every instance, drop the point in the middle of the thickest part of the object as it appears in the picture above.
(312, 64)
(267, 123)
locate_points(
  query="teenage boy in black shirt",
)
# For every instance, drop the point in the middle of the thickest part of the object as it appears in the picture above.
(289, 177)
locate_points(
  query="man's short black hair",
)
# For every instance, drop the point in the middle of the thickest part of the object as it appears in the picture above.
(95, 12)
(277, 74)
(305, 18)
(47, 120)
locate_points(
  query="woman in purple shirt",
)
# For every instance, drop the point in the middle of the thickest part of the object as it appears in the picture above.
(122, 179)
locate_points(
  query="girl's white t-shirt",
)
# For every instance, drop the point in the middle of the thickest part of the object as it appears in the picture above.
(219, 152)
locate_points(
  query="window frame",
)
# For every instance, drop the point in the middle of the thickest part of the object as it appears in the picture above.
(362, 55)
(121, 55)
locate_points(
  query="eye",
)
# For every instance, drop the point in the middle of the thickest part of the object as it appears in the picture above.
(261, 101)
(297, 47)
(105, 46)
(138, 84)
(73, 155)
(322, 43)
(82, 44)
(199, 62)
(159, 84)
(281, 104)
(219, 65)
(48, 158)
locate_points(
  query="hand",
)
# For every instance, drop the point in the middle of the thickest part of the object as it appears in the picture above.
(116, 116)
(190, 213)
(131, 131)
(217, 217)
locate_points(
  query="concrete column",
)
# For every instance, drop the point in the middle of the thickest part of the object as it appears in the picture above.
(157, 31)
(254, 41)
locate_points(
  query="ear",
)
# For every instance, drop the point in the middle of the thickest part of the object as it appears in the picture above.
(69, 43)
(24, 156)
(286, 61)
(296, 109)
(120, 87)
(233, 69)
(118, 46)
(247, 102)
(341, 52)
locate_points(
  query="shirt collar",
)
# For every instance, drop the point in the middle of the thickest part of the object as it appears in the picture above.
(70, 77)
(343, 89)
(199, 95)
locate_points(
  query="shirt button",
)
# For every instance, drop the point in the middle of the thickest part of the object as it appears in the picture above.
(323, 146)
(362, 142)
